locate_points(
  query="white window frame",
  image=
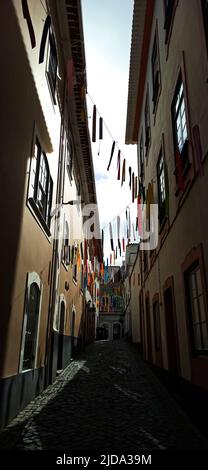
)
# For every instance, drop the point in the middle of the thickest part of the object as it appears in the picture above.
(32, 278)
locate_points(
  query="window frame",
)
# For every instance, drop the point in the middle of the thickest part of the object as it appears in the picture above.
(192, 270)
(66, 245)
(157, 325)
(52, 80)
(169, 7)
(35, 185)
(162, 203)
(156, 73)
(184, 151)
(147, 122)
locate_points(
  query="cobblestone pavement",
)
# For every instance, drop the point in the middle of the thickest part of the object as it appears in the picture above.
(107, 398)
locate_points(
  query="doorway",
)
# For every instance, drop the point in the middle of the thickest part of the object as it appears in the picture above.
(171, 330)
(149, 334)
(61, 335)
(116, 331)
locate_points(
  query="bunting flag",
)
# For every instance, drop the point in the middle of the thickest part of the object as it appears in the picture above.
(100, 128)
(123, 172)
(136, 189)
(139, 216)
(179, 170)
(119, 165)
(127, 226)
(81, 250)
(78, 259)
(130, 177)
(119, 246)
(27, 16)
(94, 116)
(129, 222)
(45, 32)
(133, 231)
(140, 188)
(70, 76)
(198, 149)
(111, 236)
(95, 246)
(111, 156)
(133, 188)
(118, 232)
(72, 254)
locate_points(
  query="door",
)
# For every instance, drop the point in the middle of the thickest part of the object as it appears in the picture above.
(149, 334)
(32, 315)
(171, 331)
(72, 332)
(116, 331)
(141, 323)
(61, 336)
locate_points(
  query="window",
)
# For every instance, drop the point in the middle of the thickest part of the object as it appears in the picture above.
(155, 72)
(179, 119)
(196, 309)
(204, 4)
(66, 247)
(141, 156)
(169, 8)
(161, 186)
(157, 329)
(147, 124)
(179, 116)
(41, 185)
(30, 322)
(52, 64)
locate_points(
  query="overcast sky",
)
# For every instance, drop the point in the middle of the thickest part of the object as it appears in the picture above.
(107, 33)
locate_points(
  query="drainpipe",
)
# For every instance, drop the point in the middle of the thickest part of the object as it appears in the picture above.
(55, 254)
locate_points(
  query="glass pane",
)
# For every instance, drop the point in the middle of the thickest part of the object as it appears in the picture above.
(192, 284)
(204, 335)
(198, 281)
(197, 337)
(195, 310)
(202, 308)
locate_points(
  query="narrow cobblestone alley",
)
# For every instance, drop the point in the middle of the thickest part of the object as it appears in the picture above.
(107, 398)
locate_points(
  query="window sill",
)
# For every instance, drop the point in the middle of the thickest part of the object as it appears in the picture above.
(35, 211)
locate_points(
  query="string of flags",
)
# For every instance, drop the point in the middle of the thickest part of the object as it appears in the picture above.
(121, 160)
(133, 230)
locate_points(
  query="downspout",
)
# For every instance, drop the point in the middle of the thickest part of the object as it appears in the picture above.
(55, 255)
